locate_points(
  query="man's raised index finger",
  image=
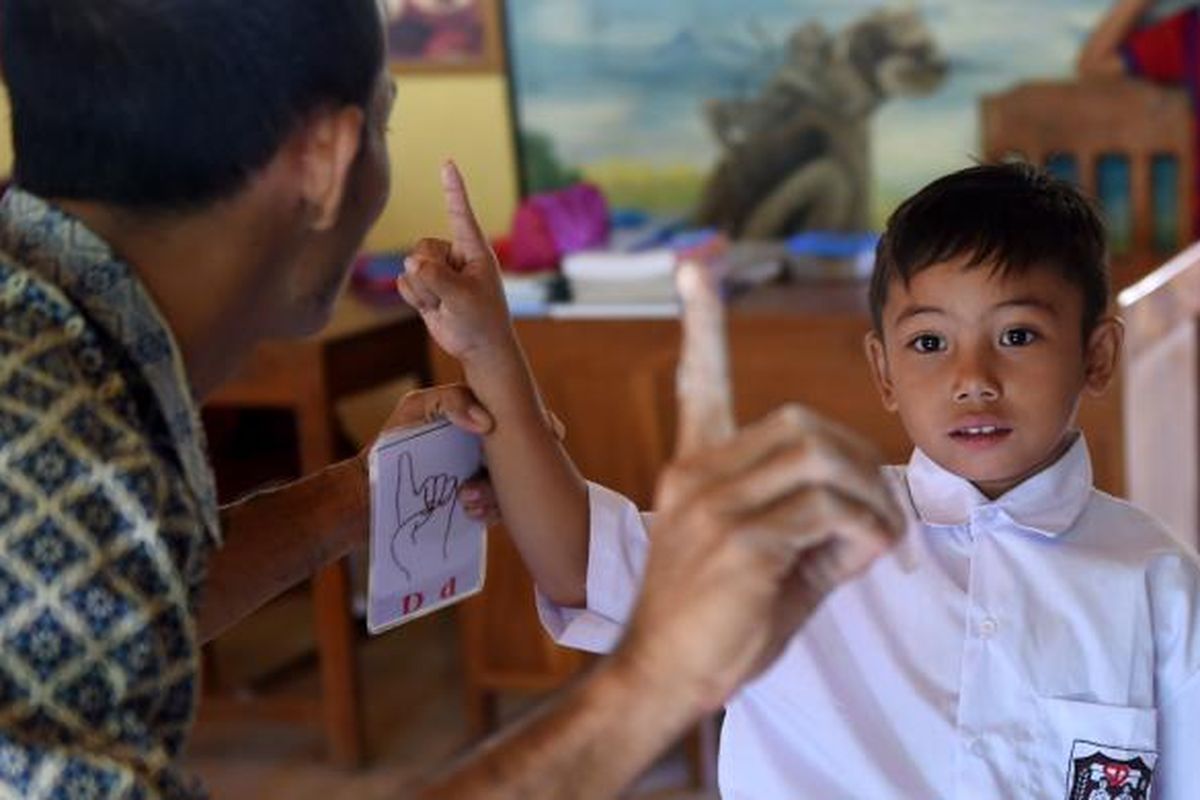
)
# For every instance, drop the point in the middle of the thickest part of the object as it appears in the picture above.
(468, 238)
(702, 382)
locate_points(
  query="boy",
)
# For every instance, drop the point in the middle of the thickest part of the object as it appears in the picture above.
(1031, 636)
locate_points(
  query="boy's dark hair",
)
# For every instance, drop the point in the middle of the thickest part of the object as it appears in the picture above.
(1013, 216)
(162, 105)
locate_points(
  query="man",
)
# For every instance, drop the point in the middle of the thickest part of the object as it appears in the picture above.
(190, 178)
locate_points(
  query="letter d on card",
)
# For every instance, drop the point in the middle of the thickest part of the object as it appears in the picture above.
(425, 553)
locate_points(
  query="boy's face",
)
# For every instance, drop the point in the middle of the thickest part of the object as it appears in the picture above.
(986, 371)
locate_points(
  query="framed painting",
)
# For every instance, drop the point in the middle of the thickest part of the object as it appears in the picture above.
(444, 35)
(714, 111)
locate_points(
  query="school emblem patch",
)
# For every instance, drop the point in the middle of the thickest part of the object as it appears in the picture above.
(1100, 772)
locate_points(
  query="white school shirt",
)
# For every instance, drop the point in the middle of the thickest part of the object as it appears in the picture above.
(1042, 645)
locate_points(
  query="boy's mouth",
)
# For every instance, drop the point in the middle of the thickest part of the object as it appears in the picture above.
(981, 435)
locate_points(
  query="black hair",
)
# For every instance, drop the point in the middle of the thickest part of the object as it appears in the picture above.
(174, 104)
(1013, 217)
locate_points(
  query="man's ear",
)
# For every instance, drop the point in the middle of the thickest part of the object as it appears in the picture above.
(1102, 355)
(328, 146)
(877, 358)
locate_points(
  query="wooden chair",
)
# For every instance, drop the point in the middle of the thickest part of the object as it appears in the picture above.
(1162, 384)
(1128, 143)
(364, 346)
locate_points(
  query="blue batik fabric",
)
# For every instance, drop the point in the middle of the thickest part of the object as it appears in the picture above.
(107, 514)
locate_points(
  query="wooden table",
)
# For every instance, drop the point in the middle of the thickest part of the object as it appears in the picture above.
(612, 382)
(364, 346)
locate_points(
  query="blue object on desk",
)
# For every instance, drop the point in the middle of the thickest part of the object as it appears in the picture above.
(628, 218)
(823, 244)
(634, 230)
(692, 237)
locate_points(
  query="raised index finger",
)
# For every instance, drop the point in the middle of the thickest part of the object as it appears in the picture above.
(702, 383)
(468, 238)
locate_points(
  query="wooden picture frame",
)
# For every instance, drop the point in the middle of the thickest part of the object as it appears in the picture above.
(434, 36)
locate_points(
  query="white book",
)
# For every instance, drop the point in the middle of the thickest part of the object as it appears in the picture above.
(602, 311)
(608, 265)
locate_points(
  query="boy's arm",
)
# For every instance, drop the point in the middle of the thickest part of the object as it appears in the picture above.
(1179, 733)
(1101, 54)
(544, 501)
(1174, 581)
(542, 497)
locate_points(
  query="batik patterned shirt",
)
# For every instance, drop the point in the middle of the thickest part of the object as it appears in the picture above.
(107, 513)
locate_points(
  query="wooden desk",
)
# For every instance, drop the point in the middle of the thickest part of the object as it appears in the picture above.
(363, 346)
(612, 383)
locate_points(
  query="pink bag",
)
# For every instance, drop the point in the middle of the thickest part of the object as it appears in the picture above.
(548, 226)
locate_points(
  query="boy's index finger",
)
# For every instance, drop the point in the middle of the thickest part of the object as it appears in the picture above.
(465, 232)
(702, 382)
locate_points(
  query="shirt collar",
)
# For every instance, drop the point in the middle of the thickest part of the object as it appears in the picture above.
(65, 252)
(1047, 503)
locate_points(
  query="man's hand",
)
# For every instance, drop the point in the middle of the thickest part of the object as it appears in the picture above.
(456, 285)
(458, 404)
(454, 402)
(753, 529)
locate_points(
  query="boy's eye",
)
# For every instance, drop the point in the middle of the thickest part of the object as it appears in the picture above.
(1017, 337)
(928, 343)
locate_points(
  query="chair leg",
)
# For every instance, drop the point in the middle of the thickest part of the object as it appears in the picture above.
(210, 671)
(483, 713)
(338, 654)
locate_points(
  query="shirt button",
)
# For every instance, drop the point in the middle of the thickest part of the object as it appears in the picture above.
(978, 748)
(988, 628)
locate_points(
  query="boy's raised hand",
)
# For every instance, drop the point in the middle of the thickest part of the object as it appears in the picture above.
(754, 527)
(455, 285)
(457, 404)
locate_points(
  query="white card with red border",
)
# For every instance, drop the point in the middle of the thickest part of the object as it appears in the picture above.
(425, 553)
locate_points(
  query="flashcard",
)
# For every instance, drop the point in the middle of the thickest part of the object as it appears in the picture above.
(425, 553)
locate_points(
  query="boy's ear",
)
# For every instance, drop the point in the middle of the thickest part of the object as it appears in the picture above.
(1103, 354)
(877, 358)
(327, 146)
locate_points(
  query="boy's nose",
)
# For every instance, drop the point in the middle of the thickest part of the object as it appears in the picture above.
(975, 381)
(977, 390)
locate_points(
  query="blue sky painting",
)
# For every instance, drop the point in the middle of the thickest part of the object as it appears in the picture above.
(617, 84)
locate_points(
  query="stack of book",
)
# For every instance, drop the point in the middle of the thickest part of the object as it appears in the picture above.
(613, 282)
(530, 294)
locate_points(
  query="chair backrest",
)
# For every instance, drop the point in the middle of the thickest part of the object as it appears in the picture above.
(1128, 143)
(1162, 393)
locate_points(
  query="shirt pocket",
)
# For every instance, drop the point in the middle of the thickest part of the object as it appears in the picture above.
(1085, 747)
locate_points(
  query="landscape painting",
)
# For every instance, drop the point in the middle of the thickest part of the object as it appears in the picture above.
(690, 107)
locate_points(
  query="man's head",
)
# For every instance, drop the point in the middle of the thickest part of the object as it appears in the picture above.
(168, 108)
(988, 302)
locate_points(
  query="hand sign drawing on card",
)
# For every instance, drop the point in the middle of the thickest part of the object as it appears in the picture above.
(418, 505)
